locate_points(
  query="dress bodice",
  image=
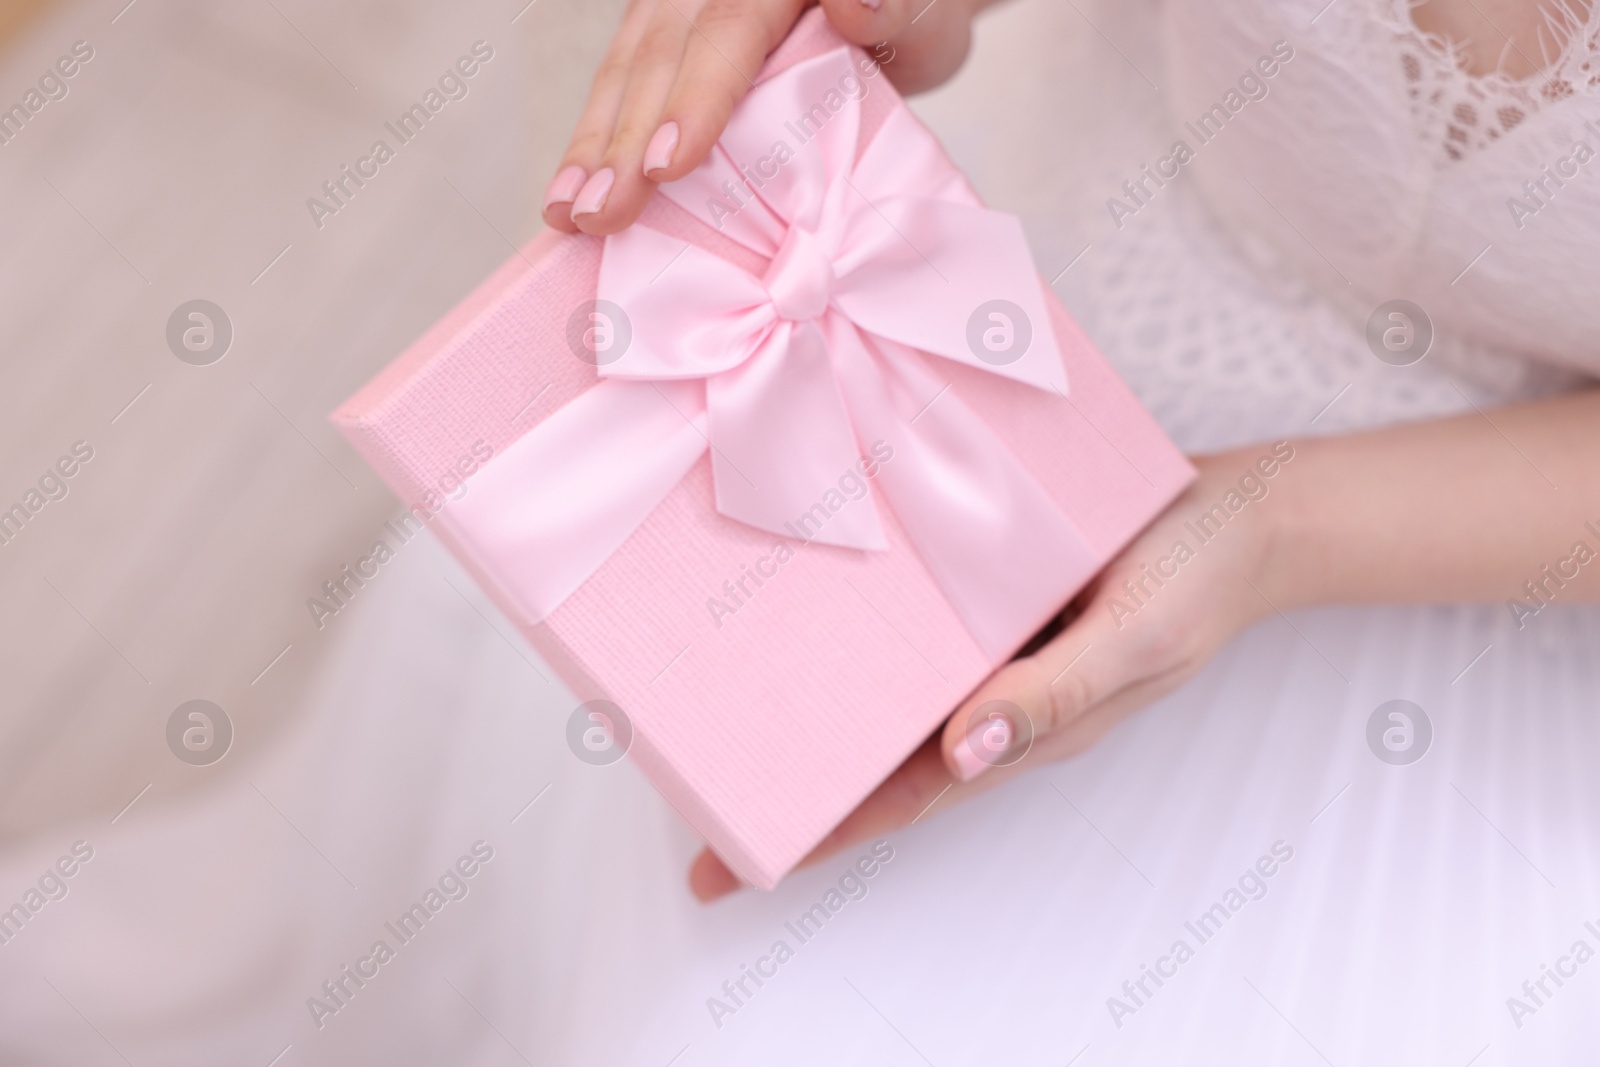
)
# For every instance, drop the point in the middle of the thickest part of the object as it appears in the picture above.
(1377, 167)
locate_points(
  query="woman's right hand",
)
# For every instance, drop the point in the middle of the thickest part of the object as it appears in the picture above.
(677, 68)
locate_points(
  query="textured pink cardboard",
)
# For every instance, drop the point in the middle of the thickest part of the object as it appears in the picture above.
(764, 728)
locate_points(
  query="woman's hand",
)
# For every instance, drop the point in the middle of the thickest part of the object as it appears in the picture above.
(1121, 651)
(1500, 507)
(677, 68)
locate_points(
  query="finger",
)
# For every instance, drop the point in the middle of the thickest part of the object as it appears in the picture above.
(923, 785)
(617, 191)
(710, 878)
(908, 790)
(867, 22)
(1028, 699)
(919, 43)
(593, 133)
(726, 48)
(1084, 732)
(901, 799)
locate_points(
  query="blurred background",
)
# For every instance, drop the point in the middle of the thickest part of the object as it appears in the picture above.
(178, 167)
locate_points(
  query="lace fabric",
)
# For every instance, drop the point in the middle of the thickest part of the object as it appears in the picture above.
(1460, 111)
(1380, 168)
(1223, 352)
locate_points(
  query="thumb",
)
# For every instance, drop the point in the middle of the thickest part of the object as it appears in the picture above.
(867, 22)
(1030, 698)
(916, 52)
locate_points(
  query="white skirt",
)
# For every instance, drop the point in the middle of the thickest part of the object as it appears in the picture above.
(1240, 838)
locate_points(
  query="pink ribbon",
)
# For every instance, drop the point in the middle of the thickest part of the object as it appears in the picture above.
(790, 377)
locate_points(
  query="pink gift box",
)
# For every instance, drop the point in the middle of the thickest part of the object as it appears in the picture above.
(768, 691)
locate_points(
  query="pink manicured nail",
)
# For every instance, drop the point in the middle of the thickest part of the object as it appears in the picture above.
(592, 197)
(968, 765)
(564, 186)
(873, 4)
(987, 741)
(658, 153)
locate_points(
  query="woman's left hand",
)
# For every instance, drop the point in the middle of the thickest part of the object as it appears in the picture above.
(1150, 620)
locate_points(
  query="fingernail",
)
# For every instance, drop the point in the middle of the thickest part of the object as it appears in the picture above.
(564, 186)
(592, 197)
(873, 4)
(968, 765)
(658, 153)
(988, 738)
(710, 879)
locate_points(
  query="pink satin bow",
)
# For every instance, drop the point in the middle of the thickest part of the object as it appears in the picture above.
(790, 377)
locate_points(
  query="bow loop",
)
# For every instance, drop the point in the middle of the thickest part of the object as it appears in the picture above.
(877, 255)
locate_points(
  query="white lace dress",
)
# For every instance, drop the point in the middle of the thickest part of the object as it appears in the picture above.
(1405, 904)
